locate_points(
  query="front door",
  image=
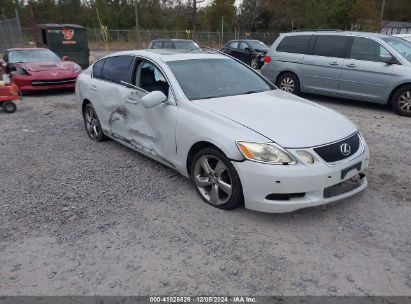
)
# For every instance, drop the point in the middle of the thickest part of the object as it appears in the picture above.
(152, 131)
(364, 75)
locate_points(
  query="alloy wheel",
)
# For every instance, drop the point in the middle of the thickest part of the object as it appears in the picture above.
(213, 180)
(92, 124)
(404, 102)
(254, 63)
(287, 84)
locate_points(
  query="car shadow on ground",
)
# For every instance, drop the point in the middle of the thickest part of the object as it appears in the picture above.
(363, 105)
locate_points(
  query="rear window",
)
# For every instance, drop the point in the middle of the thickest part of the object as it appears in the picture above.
(117, 69)
(331, 46)
(296, 44)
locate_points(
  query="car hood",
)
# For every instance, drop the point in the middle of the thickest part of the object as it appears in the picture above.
(286, 119)
(46, 66)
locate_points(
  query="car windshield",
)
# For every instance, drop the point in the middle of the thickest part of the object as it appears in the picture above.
(258, 45)
(186, 45)
(32, 56)
(212, 77)
(401, 46)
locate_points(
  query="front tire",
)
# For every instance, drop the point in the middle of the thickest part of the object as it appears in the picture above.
(9, 107)
(401, 101)
(216, 180)
(290, 83)
(92, 124)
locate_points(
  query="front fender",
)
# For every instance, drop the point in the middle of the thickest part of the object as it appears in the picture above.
(197, 124)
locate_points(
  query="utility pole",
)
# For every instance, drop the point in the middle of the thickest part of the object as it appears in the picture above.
(137, 27)
(382, 13)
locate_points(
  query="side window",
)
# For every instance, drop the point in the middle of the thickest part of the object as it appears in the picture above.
(168, 45)
(331, 46)
(97, 69)
(151, 78)
(156, 45)
(294, 44)
(243, 46)
(117, 69)
(367, 49)
(233, 44)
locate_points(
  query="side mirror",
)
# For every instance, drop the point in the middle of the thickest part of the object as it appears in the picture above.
(388, 59)
(153, 99)
(7, 69)
(65, 58)
(247, 49)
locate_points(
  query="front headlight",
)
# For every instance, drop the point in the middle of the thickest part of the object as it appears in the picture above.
(266, 153)
(77, 68)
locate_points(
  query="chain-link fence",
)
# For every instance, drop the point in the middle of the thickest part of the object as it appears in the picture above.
(132, 39)
(10, 34)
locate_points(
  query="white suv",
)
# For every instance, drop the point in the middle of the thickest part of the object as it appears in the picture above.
(221, 123)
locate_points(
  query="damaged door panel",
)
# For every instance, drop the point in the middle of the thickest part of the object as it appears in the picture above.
(150, 130)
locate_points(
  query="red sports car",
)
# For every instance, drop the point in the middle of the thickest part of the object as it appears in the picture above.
(38, 69)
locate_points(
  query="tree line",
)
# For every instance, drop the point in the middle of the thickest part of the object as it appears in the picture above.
(208, 15)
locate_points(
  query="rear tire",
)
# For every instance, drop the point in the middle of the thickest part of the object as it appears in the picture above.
(254, 63)
(216, 180)
(289, 82)
(92, 124)
(9, 107)
(401, 101)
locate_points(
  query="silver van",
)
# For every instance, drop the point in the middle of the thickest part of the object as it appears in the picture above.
(355, 65)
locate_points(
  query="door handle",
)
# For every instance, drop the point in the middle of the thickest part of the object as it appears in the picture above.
(131, 101)
(333, 63)
(351, 65)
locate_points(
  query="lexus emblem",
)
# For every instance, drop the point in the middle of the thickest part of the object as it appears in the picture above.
(345, 149)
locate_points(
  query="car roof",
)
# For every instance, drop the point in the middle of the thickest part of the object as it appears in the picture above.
(25, 49)
(336, 32)
(174, 40)
(170, 54)
(402, 35)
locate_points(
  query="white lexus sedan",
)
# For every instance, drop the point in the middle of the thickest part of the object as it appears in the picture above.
(217, 121)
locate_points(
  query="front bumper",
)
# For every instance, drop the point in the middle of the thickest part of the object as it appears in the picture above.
(305, 183)
(30, 84)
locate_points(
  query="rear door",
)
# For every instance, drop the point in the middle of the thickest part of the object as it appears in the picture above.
(323, 64)
(364, 75)
(231, 48)
(244, 52)
(111, 95)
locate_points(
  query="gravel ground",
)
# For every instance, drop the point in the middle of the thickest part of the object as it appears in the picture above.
(85, 218)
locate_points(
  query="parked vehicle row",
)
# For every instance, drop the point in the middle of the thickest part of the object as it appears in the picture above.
(360, 66)
(219, 122)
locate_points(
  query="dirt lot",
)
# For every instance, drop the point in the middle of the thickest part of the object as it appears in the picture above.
(78, 217)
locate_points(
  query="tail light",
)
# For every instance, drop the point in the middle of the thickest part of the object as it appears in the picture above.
(267, 59)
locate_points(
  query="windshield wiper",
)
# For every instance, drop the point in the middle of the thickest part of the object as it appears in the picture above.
(252, 92)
